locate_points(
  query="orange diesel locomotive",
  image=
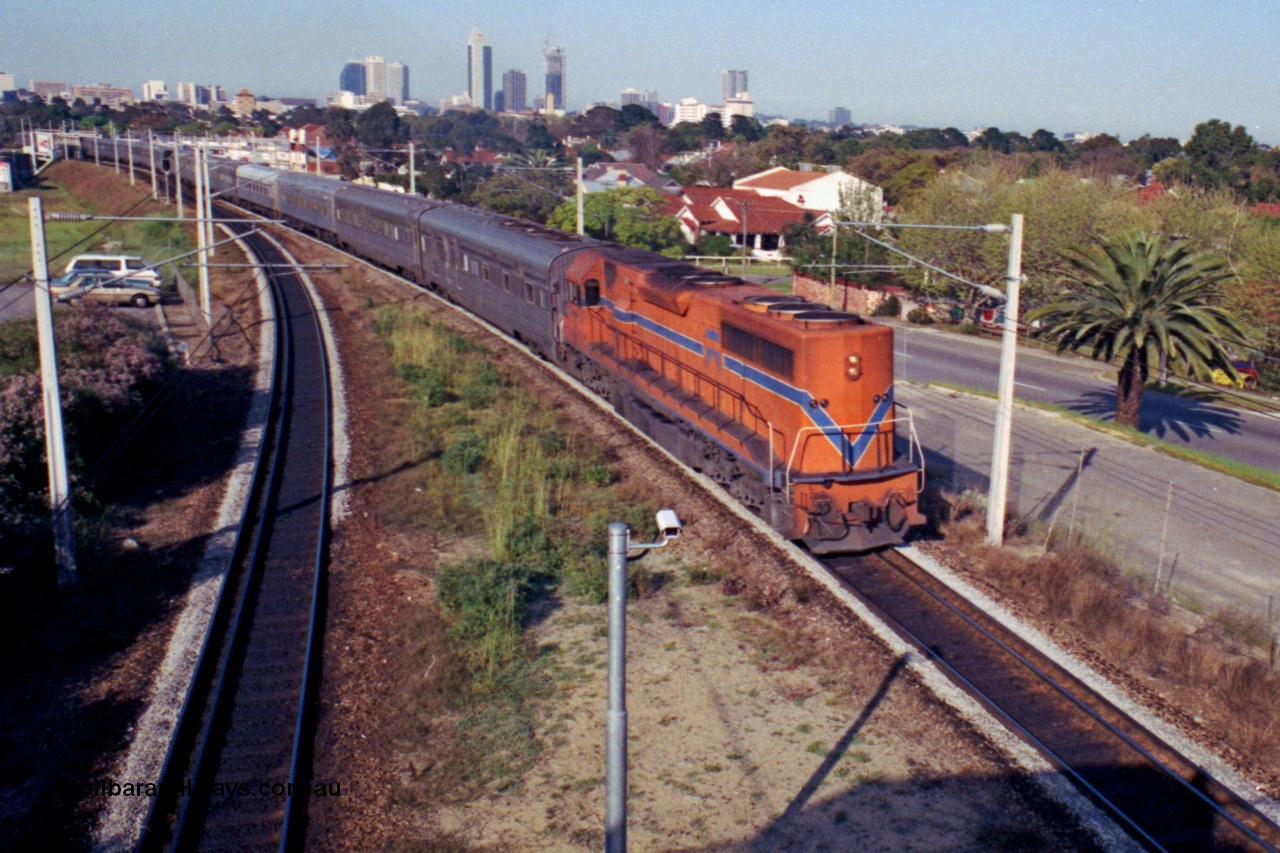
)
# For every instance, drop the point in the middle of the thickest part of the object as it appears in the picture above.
(787, 404)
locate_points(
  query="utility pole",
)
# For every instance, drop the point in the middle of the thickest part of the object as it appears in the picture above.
(413, 171)
(151, 152)
(1004, 408)
(55, 450)
(208, 203)
(831, 292)
(202, 256)
(128, 141)
(582, 217)
(115, 147)
(177, 169)
(745, 205)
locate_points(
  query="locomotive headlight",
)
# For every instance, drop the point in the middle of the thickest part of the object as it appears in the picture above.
(853, 367)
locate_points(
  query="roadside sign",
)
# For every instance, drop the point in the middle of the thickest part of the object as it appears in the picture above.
(44, 143)
(6, 177)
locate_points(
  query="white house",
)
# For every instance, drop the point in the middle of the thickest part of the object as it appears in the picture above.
(816, 191)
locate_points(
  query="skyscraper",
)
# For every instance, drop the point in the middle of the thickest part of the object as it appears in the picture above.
(513, 84)
(731, 83)
(839, 117)
(554, 56)
(375, 78)
(397, 82)
(351, 79)
(479, 70)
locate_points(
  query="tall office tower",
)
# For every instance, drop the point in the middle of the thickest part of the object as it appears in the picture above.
(513, 84)
(217, 94)
(731, 83)
(351, 79)
(839, 117)
(554, 56)
(375, 78)
(397, 82)
(8, 82)
(49, 89)
(500, 101)
(630, 96)
(479, 70)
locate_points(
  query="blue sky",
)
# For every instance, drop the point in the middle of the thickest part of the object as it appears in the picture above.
(1126, 67)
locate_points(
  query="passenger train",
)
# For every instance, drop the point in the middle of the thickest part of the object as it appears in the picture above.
(785, 403)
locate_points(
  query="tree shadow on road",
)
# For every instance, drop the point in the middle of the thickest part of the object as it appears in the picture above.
(1163, 416)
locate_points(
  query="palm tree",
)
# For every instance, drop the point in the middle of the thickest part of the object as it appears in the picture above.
(1145, 301)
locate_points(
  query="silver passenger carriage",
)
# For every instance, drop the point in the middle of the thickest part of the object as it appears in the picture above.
(506, 270)
(257, 188)
(306, 202)
(380, 225)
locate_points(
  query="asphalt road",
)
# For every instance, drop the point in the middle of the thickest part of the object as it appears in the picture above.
(926, 355)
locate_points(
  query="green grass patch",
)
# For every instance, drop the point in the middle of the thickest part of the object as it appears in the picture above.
(1240, 470)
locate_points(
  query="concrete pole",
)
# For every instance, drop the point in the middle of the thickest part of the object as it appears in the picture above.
(582, 216)
(202, 256)
(151, 152)
(177, 169)
(97, 146)
(115, 148)
(1004, 408)
(208, 203)
(59, 482)
(128, 141)
(615, 810)
(831, 292)
(413, 171)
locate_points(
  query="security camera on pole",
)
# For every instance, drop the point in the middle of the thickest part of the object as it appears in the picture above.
(615, 753)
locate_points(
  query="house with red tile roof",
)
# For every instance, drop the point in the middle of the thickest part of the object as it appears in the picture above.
(742, 215)
(819, 191)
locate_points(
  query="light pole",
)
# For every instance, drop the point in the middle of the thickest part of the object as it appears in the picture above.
(1002, 441)
(615, 753)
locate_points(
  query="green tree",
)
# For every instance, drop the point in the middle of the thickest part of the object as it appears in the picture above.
(1146, 302)
(378, 127)
(1045, 140)
(532, 196)
(631, 216)
(1220, 154)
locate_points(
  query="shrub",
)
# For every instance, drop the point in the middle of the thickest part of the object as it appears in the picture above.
(487, 601)
(464, 456)
(919, 316)
(968, 327)
(890, 306)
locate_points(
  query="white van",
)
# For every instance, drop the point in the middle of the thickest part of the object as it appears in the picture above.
(121, 265)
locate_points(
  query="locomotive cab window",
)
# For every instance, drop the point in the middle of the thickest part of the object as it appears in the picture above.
(593, 292)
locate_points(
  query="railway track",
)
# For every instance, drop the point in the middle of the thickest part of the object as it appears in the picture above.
(1161, 798)
(239, 772)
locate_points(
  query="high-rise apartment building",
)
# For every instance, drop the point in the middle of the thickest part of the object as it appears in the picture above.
(554, 56)
(479, 70)
(375, 78)
(397, 82)
(351, 78)
(732, 82)
(154, 90)
(8, 83)
(839, 117)
(630, 96)
(515, 97)
(47, 89)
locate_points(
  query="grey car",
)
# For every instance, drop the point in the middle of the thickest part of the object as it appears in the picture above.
(100, 287)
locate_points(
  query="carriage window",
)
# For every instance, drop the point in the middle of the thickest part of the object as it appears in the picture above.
(528, 292)
(506, 282)
(466, 263)
(484, 271)
(593, 292)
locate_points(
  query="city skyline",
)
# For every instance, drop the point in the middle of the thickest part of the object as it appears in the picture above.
(1127, 68)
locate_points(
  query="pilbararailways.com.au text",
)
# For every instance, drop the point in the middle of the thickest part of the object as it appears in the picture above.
(226, 790)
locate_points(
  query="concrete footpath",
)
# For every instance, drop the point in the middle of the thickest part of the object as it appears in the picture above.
(1222, 544)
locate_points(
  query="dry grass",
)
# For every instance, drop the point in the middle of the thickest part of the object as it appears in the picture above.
(1215, 663)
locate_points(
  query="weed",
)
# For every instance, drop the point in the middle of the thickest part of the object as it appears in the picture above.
(817, 748)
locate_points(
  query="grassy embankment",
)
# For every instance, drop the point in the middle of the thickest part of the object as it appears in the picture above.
(1215, 669)
(99, 191)
(534, 499)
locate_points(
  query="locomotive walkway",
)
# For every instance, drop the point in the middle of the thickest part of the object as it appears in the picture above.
(1222, 535)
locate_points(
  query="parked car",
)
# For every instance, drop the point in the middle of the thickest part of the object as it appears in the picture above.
(104, 287)
(129, 266)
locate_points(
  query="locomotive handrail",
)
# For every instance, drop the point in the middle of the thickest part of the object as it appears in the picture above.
(846, 430)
